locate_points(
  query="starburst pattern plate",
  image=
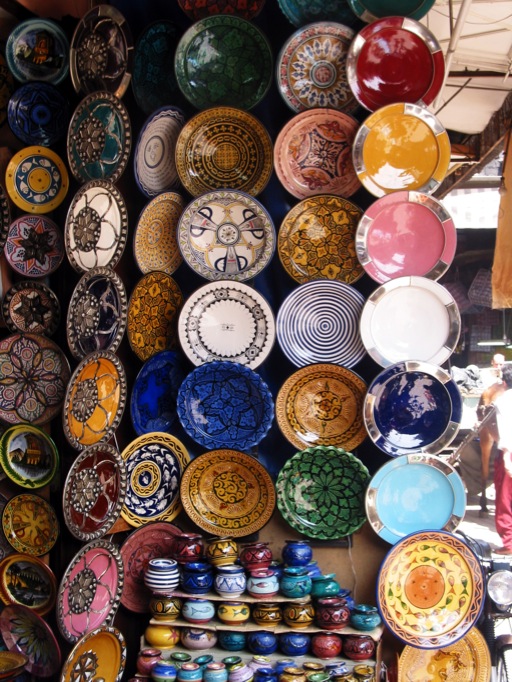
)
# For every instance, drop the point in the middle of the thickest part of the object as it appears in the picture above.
(99, 654)
(31, 306)
(34, 246)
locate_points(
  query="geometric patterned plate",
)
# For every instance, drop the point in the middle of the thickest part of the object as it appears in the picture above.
(101, 652)
(31, 306)
(34, 246)
(155, 244)
(30, 524)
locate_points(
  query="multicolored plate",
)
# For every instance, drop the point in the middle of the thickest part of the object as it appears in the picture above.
(28, 456)
(101, 652)
(38, 50)
(196, 9)
(371, 10)
(431, 589)
(28, 581)
(302, 12)
(226, 492)
(155, 244)
(31, 306)
(34, 246)
(30, 524)
(320, 492)
(38, 114)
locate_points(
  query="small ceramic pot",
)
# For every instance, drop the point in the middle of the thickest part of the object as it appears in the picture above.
(262, 583)
(165, 607)
(363, 673)
(268, 614)
(267, 674)
(318, 677)
(164, 671)
(313, 569)
(162, 576)
(231, 640)
(203, 660)
(255, 555)
(231, 661)
(189, 672)
(297, 552)
(298, 615)
(336, 668)
(221, 551)
(146, 659)
(180, 657)
(262, 642)
(198, 611)
(283, 663)
(332, 613)
(196, 577)
(259, 661)
(295, 582)
(326, 644)
(233, 612)
(293, 674)
(240, 673)
(365, 617)
(215, 671)
(311, 667)
(196, 638)
(324, 586)
(230, 581)
(345, 594)
(161, 636)
(294, 643)
(358, 647)
(188, 547)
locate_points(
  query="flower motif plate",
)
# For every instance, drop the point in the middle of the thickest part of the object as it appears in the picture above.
(302, 12)
(154, 465)
(100, 653)
(28, 456)
(371, 10)
(227, 321)
(94, 492)
(224, 148)
(225, 404)
(196, 9)
(90, 590)
(38, 114)
(30, 524)
(38, 50)
(34, 246)
(430, 589)
(155, 244)
(320, 492)
(31, 306)
(28, 581)
(226, 492)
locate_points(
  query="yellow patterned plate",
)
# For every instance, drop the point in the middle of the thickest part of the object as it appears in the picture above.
(100, 653)
(431, 589)
(155, 246)
(226, 492)
(12, 663)
(30, 524)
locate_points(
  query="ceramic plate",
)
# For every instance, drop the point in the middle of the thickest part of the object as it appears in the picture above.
(395, 59)
(150, 541)
(311, 68)
(226, 234)
(101, 652)
(406, 233)
(12, 664)
(319, 322)
(322, 404)
(226, 492)
(413, 407)
(5, 547)
(431, 589)
(212, 69)
(320, 492)
(34, 246)
(225, 404)
(370, 10)
(316, 240)
(38, 114)
(154, 465)
(155, 244)
(90, 590)
(28, 581)
(30, 306)
(30, 524)
(401, 147)
(28, 456)
(224, 148)
(95, 400)
(302, 12)
(38, 50)
(94, 492)
(227, 321)
(410, 318)
(412, 493)
(196, 9)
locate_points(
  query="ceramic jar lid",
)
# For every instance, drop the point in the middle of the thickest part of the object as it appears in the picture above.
(38, 114)
(34, 246)
(38, 50)
(31, 306)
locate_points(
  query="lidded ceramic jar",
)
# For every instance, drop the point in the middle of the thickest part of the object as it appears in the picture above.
(365, 617)
(146, 659)
(332, 613)
(363, 673)
(231, 661)
(164, 671)
(189, 672)
(240, 673)
(162, 576)
(180, 657)
(295, 582)
(198, 611)
(196, 577)
(267, 674)
(262, 583)
(231, 640)
(203, 660)
(233, 612)
(358, 647)
(230, 581)
(298, 615)
(324, 586)
(268, 614)
(165, 607)
(196, 638)
(326, 644)
(188, 547)
(297, 552)
(255, 555)
(221, 551)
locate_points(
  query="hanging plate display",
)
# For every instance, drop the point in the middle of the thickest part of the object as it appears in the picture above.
(225, 404)
(224, 148)
(30, 524)
(302, 12)
(155, 244)
(90, 590)
(371, 10)
(12, 664)
(28, 456)
(34, 246)
(31, 306)
(410, 317)
(28, 581)
(101, 653)
(226, 492)
(94, 492)
(431, 589)
(320, 492)
(406, 233)
(154, 465)
(196, 9)
(401, 147)
(319, 322)
(38, 114)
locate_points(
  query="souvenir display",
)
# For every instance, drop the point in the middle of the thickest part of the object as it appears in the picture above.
(28, 581)
(38, 114)
(34, 246)
(370, 10)
(31, 306)
(28, 456)
(38, 50)
(302, 12)
(101, 652)
(196, 9)
(155, 244)
(30, 524)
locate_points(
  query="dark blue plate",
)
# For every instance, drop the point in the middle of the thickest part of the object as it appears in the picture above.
(38, 113)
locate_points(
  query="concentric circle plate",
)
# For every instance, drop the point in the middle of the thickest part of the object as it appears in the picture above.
(38, 114)
(155, 244)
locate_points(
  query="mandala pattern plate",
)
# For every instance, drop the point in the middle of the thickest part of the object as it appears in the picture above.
(38, 50)
(302, 12)
(371, 10)
(28, 456)
(322, 404)
(226, 234)
(30, 524)
(225, 404)
(431, 589)
(101, 653)
(34, 246)
(320, 492)
(226, 321)
(226, 492)
(90, 590)
(38, 114)
(155, 244)
(31, 306)
(94, 492)
(37, 588)
(196, 9)
(154, 464)
(224, 148)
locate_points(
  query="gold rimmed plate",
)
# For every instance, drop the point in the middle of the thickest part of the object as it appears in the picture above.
(30, 524)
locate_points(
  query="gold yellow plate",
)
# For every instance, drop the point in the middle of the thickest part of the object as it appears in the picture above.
(155, 245)
(30, 524)
(99, 654)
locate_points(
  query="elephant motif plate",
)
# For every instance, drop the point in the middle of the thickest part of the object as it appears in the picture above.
(155, 243)
(30, 524)
(28, 581)
(28, 456)
(30, 306)
(102, 652)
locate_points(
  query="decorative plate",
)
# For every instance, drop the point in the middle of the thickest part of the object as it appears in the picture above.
(401, 147)
(226, 492)
(431, 589)
(322, 404)
(34, 246)
(6, 548)
(319, 322)
(28, 456)
(90, 590)
(12, 664)
(153, 310)
(413, 407)
(95, 400)
(36, 179)
(313, 154)
(30, 524)
(25, 632)
(150, 541)
(226, 234)
(406, 233)
(94, 492)
(99, 138)
(96, 319)
(154, 161)
(196, 9)
(410, 317)
(6, 88)
(101, 52)
(311, 68)
(5, 215)
(155, 244)
(38, 114)
(154, 392)
(302, 12)
(371, 10)
(227, 321)
(154, 465)
(35, 373)
(211, 68)
(316, 240)
(412, 493)
(38, 50)
(28, 581)
(320, 492)
(225, 404)
(224, 148)
(100, 654)
(31, 306)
